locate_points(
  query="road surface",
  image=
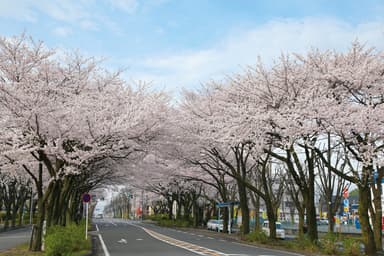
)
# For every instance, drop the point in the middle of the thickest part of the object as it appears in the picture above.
(10, 239)
(119, 237)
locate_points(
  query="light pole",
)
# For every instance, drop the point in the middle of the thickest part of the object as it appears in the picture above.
(128, 196)
(142, 204)
(134, 206)
(30, 207)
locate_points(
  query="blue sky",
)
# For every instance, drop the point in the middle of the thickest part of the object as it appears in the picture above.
(182, 43)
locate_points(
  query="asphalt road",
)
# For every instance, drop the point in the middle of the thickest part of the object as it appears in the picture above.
(15, 237)
(139, 239)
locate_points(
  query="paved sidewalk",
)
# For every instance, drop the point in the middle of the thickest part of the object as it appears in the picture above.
(12, 238)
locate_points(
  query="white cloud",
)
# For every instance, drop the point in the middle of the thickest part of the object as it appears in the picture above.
(88, 25)
(241, 48)
(20, 10)
(129, 6)
(62, 31)
(70, 11)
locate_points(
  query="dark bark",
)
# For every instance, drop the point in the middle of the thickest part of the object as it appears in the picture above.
(304, 176)
(244, 207)
(362, 180)
(367, 232)
(36, 240)
(376, 209)
(256, 204)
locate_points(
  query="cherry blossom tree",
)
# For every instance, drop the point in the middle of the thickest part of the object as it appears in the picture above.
(61, 116)
(353, 93)
(286, 109)
(296, 102)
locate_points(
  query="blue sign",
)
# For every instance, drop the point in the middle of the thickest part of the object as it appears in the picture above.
(227, 204)
(346, 202)
(357, 223)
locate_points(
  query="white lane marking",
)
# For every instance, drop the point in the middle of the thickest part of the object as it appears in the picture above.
(185, 245)
(139, 239)
(97, 228)
(106, 253)
(210, 237)
(268, 249)
(122, 241)
(13, 237)
(200, 235)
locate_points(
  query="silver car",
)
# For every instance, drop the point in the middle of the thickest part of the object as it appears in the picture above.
(213, 224)
(280, 232)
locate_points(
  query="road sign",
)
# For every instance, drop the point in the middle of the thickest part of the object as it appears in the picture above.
(346, 209)
(346, 202)
(225, 204)
(86, 198)
(345, 192)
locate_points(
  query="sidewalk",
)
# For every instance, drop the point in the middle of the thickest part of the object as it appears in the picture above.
(345, 229)
(14, 228)
(14, 237)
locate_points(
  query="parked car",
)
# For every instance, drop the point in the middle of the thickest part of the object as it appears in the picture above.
(213, 224)
(221, 226)
(280, 232)
(99, 216)
(322, 222)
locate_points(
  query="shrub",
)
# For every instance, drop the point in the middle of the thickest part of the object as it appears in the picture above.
(302, 243)
(329, 244)
(257, 236)
(157, 217)
(2, 216)
(351, 246)
(175, 223)
(64, 241)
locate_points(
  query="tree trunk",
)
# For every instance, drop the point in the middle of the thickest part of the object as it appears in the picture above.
(310, 196)
(272, 217)
(178, 212)
(54, 204)
(15, 211)
(244, 207)
(38, 232)
(22, 199)
(225, 219)
(170, 205)
(257, 211)
(302, 228)
(376, 212)
(37, 235)
(311, 220)
(377, 230)
(366, 230)
(7, 217)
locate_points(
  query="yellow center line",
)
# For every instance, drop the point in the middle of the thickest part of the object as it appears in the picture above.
(185, 245)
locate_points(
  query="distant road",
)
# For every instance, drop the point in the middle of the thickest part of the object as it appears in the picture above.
(137, 239)
(10, 239)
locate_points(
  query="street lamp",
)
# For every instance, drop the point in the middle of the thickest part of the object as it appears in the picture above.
(30, 207)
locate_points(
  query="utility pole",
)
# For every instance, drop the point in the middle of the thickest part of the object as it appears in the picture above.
(30, 207)
(142, 204)
(134, 206)
(129, 195)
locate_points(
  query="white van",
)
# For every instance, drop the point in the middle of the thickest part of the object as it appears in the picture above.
(280, 232)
